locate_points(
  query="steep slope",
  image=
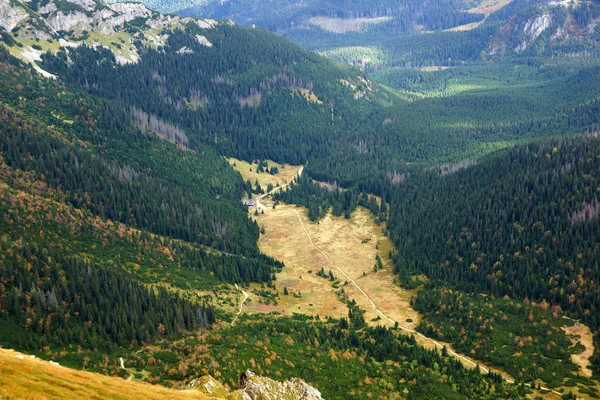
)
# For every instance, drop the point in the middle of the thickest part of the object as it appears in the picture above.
(127, 156)
(30, 28)
(546, 28)
(523, 224)
(253, 95)
(106, 215)
(24, 377)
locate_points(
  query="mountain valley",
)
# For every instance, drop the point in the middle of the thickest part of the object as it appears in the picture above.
(390, 200)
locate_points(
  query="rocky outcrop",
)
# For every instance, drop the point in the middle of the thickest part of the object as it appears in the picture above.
(10, 16)
(206, 23)
(517, 35)
(123, 28)
(60, 21)
(203, 41)
(535, 27)
(129, 11)
(87, 5)
(548, 27)
(208, 385)
(253, 387)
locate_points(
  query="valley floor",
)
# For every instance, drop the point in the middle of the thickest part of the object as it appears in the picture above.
(347, 248)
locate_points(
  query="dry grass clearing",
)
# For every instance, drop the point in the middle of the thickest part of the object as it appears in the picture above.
(286, 173)
(285, 241)
(433, 68)
(22, 377)
(486, 7)
(351, 245)
(581, 333)
(343, 25)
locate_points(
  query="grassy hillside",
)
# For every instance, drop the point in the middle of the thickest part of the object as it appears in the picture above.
(23, 377)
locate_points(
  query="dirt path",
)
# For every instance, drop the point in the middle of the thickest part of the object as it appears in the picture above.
(241, 302)
(122, 362)
(260, 206)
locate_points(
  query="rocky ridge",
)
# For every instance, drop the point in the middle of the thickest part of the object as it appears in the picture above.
(31, 28)
(550, 24)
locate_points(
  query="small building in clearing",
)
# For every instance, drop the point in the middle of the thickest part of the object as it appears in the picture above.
(250, 202)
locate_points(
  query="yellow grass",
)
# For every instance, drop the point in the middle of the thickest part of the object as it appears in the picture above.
(342, 240)
(486, 7)
(24, 378)
(286, 173)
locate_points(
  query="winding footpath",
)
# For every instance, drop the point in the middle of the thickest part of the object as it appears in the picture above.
(258, 199)
(123, 367)
(241, 302)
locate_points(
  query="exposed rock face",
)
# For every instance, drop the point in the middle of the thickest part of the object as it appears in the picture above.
(87, 5)
(48, 8)
(72, 21)
(185, 50)
(208, 385)
(131, 11)
(254, 387)
(532, 30)
(544, 28)
(206, 23)
(95, 24)
(260, 388)
(203, 41)
(518, 35)
(10, 16)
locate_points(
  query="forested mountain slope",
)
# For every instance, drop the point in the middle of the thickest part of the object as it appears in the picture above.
(519, 29)
(97, 210)
(523, 224)
(250, 94)
(253, 95)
